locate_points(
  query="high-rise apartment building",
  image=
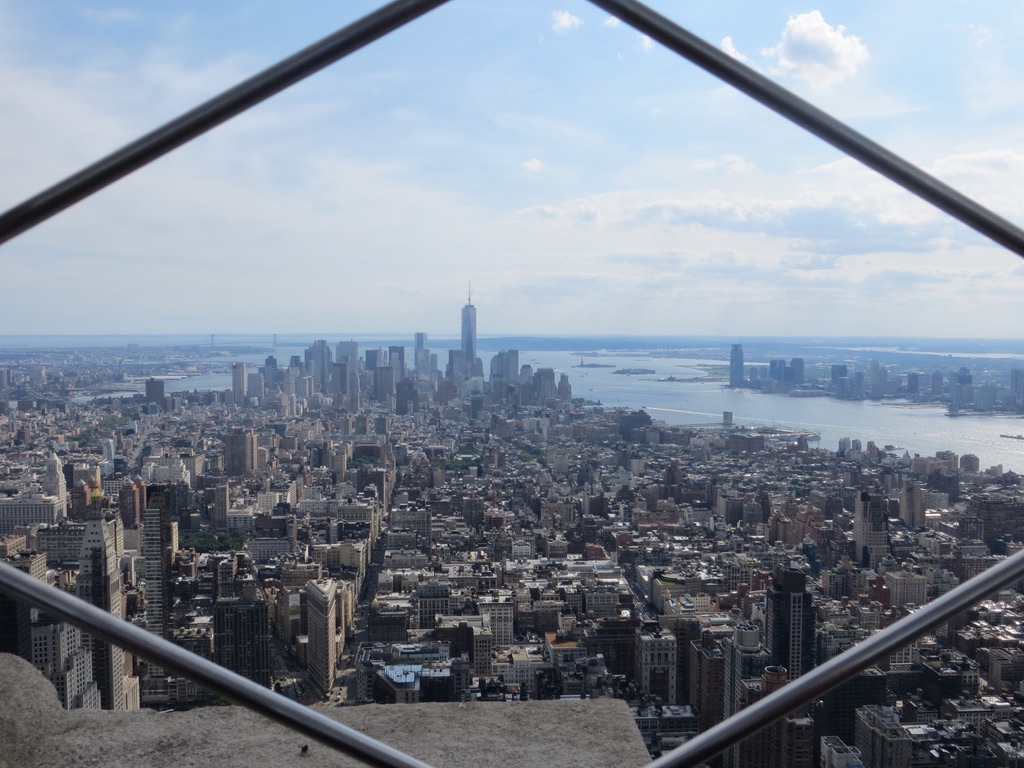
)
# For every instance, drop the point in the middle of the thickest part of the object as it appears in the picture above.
(707, 679)
(912, 504)
(882, 741)
(655, 668)
(221, 505)
(501, 610)
(432, 598)
(796, 367)
(788, 741)
(321, 623)
(906, 587)
(745, 657)
(870, 529)
(159, 545)
(58, 651)
(240, 452)
(736, 377)
(241, 635)
(789, 622)
(155, 391)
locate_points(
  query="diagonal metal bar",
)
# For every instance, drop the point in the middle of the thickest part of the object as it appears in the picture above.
(59, 604)
(808, 687)
(816, 121)
(211, 113)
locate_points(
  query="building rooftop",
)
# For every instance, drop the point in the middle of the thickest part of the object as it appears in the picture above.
(37, 733)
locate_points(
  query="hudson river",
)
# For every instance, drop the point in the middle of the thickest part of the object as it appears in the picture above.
(914, 428)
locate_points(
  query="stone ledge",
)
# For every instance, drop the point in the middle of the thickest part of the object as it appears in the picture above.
(37, 733)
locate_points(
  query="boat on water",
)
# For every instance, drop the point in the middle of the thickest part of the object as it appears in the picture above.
(1013, 437)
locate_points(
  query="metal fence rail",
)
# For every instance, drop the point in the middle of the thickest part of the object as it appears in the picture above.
(362, 32)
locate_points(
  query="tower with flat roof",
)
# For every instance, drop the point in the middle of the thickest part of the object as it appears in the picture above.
(736, 366)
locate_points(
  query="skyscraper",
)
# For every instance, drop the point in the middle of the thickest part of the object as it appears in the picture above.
(422, 358)
(383, 383)
(318, 362)
(736, 366)
(745, 659)
(155, 391)
(321, 654)
(159, 543)
(241, 631)
(238, 383)
(55, 484)
(789, 622)
(870, 529)
(99, 582)
(655, 666)
(240, 452)
(469, 335)
(221, 505)
(396, 359)
(58, 652)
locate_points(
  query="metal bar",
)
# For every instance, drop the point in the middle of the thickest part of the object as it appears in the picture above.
(816, 121)
(110, 628)
(807, 687)
(211, 113)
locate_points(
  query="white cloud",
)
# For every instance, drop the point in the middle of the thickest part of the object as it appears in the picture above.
(565, 21)
(728, 46)
(727, 163)
(646, 43)
(980, 34)
(533, 165)
(816, 52)
(611, 22)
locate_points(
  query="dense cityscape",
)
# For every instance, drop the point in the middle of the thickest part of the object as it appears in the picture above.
(351, 527)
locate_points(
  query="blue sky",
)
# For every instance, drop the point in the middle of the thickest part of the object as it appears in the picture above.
(584, 179)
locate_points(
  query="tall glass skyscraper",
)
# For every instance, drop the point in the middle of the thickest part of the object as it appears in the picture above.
(736, 366)
(469, 335)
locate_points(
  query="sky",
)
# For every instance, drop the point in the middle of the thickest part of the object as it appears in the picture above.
(578, 176)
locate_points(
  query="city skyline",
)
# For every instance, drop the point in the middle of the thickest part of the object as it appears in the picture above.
(632, 195)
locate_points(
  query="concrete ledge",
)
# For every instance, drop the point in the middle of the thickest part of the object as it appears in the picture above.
(37, 733)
